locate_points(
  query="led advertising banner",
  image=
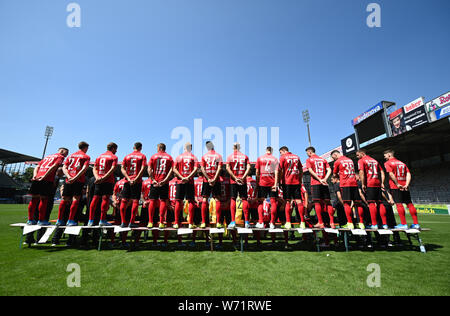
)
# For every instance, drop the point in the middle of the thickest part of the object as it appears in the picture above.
(415, 114)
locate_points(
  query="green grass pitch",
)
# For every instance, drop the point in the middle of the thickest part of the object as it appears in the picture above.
(41, 270)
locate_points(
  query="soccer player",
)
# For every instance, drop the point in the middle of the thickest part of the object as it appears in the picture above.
(238, 167)
(116, 200)
(372, 179)
(211, 167)
(104, 168)
(320, 171)
(185, 167)
(42, 185)
(160, 170)
(133, 167)
(291, 170)
(345, 168)
(267, 185)
(74, 169)
(400, 179)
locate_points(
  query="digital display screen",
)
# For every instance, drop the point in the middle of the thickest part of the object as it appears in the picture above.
(371, 128)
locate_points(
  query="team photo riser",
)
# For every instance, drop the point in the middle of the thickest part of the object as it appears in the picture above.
(211, 188)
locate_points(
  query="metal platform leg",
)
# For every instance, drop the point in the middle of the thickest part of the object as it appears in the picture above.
(100, 240)
(242, 243)
(346, 241)
(317, 241)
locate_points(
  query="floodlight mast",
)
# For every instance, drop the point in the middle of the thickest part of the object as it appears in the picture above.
(306, 119)
(47, 135)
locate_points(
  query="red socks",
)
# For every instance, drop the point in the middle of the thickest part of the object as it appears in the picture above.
(348, 212)
(301, 210)
(413, 212)
(191, 212)
(32, 208)
(162, 211)
(93, 206)
(204, 212)
(288, 211)
(104, 207)
(245, 210)
(261, 213)
(373, 213)
(318, 208)
(43, 209)
(401, 213)
(383, 214)
(62, 209)
(273, 210)
(151, 210)
(134, 211)
(360, 213)
(233, 210)
(123, 210)
(73, 210)
(330, 211)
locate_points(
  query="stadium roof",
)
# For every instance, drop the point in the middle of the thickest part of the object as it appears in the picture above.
(431, 139)
(9, 157)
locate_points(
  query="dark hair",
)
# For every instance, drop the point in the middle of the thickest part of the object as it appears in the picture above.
(284, 148)
(268, 148)
(83, 145)
(162, 146)
(311, 149)
(362, 151)
(111, 146)
(389, 151)
(335, 151)
(138, 145)
(63, 148)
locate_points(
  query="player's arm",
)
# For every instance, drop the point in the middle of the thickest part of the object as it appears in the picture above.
(339, 196)
(168, 176)
(275, 186)
(300, 175)
(110, 171)
(66, 173)
(124, 171)
(305, 202)
(383, 177)
(329, 172)
(230, 172)
(49, 171)
(81, 173)
(362, 176)
(193, 173)
(247, 171)
(258, 176)
(141, 172)
(363, 198)
(35, 172)
(204, 173)
(219, 169)
(394, 179)
(408, 180)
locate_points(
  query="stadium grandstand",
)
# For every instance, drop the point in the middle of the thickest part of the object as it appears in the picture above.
(11, 163)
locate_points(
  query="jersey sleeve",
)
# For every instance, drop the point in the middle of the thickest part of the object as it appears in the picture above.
(258, 163)
(336, 167)
(88, 161)
(388, 167)
(308, 163)
(360, 164)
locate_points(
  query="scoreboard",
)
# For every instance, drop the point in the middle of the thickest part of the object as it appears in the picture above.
(372, 125)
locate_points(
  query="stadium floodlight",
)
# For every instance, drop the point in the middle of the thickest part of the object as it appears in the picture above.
(306, 119)
(47, 135)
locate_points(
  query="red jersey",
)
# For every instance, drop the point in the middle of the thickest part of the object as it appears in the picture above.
(185, 164)
(211, 162)
(104, 163)
(251, 192)
(146, 186)
(238, 163)
(161, 164)
(372, 171)
(118, 187)
(267, 165)
(319, 166)
(198, 184)
(75, 162)
(47, 163)
(133, 164)
(172, 191)
(290, 166)
(399, 169)
(346, 169)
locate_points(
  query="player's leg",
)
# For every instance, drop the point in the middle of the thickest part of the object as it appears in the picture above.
(46, 188)
(217, 191)
(67, 197)
(411, 208)
(153, 197)
(94, 203)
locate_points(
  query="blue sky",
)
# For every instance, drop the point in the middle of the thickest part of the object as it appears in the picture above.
(136, 70)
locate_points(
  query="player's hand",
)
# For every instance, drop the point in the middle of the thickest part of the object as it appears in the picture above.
(364, 188)
(132, 182)
(184, 180)
(155, 183)
(239, 181)
(274, 188)
(323, 182)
